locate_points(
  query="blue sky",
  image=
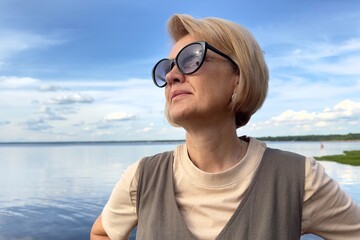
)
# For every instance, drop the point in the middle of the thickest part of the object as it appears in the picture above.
(80, 70)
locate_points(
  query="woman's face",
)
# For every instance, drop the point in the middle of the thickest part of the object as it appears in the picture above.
(202, 96)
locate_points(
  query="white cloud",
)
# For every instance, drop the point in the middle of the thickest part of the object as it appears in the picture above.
(51, 88)
(36, 125)
(346, 109)
(13, 42)
(2, 122)
(71, 99)
(343, 66)
(293, 116)
(321, 124)
(322, 57)
(287, 89)
(50, 114)
(119, 116)
(66, 109)
(349, 45)
(102, 133)
(348, 106)
(60, 112)
(345, 112)
(145, 129)
(12, 82)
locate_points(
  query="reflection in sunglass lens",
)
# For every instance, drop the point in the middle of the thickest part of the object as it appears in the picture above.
(190, 58)
(161, 69)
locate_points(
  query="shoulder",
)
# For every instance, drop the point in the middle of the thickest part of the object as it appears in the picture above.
(156, 161)
(157, 157)
(285, 157)
(284, 167)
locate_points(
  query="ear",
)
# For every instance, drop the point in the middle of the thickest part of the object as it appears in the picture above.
(236, 80)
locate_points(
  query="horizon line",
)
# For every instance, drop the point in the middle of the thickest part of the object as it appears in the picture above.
(267, 138)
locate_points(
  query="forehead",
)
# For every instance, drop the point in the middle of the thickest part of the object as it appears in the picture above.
(182, 42)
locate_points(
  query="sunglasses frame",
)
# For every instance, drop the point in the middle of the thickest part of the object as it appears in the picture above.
(205, 47)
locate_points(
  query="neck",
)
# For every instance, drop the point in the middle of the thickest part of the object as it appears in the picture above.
(214, 149)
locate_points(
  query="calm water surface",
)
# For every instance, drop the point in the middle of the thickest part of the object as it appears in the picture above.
(56, 191)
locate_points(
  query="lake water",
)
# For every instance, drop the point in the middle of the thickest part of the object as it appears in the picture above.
(56, 191)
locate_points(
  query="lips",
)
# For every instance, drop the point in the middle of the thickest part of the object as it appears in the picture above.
(178, 93)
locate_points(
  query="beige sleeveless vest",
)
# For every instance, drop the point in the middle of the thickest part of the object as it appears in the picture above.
(271, 208)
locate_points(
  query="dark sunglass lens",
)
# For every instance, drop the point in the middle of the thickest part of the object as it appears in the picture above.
(161, 69)
(190, 58)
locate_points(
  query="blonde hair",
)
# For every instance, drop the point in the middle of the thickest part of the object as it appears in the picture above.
(238, 43)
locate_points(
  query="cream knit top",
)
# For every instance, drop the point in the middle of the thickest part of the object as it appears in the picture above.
(207, 200)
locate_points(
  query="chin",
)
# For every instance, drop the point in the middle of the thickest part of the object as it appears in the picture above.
(176, 119)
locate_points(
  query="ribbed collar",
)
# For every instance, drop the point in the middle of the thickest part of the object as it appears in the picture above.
(228, 177)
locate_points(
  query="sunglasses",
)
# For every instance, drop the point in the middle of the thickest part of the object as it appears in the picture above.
(188, 61)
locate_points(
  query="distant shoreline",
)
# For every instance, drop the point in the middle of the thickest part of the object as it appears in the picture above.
(94, 142)
(351, 137)
(313, 138)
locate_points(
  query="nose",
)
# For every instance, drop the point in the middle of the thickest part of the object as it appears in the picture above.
(175, 75)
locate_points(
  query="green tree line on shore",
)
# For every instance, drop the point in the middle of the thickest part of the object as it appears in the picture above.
(331, 137)
(320, 138)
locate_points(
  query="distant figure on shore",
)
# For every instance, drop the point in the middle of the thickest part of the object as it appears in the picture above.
(218, 185)
(321, 145)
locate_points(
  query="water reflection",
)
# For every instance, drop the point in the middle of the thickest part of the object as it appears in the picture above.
(56, 192)
(347, 176)
(58, 219)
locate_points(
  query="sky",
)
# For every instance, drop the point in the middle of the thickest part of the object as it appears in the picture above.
(81, 70)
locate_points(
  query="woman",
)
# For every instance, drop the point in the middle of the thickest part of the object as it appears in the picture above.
(216, 185)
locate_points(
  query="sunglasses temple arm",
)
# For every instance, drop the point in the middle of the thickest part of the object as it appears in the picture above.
(221, 54)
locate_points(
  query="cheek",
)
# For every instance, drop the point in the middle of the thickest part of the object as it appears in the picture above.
(219, 90)
(220, 80)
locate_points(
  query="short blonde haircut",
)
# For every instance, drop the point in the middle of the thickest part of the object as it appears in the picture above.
(238, 43)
